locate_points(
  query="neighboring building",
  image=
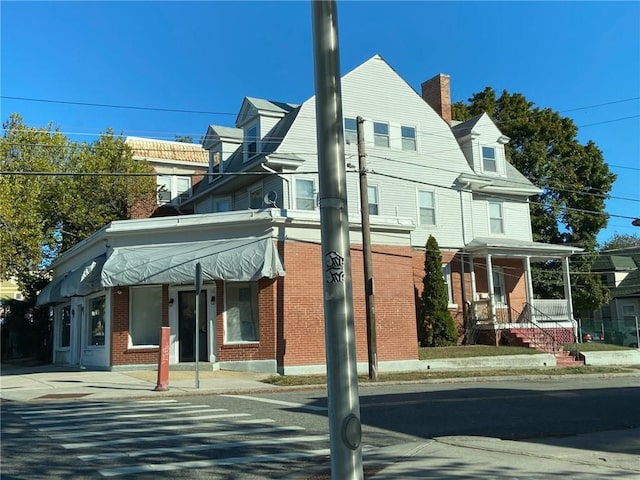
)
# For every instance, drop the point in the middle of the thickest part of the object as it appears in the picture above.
(618, 320)
(257, 217)
(9, 290)
(179, 167)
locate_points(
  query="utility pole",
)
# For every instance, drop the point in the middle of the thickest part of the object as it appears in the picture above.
(370, 303)
(345, 428)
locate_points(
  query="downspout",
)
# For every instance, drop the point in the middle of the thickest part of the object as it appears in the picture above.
(286, 180)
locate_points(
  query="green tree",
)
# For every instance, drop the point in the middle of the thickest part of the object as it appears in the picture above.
(619, 241)
(29, 234)
(575, 182)
(108, 186)
(435, 324)
(44, 214)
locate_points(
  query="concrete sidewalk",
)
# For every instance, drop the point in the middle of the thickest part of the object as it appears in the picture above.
(601, 455)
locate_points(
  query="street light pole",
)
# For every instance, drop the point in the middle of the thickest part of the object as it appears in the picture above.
(342, 381)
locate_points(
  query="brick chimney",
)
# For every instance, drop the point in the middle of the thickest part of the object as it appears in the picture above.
(437, 93)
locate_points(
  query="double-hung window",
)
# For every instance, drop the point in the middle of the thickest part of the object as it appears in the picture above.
(241, 312)
(427, 207)
(489, 160)
(350, 131)
(251, 141)
(305, 199)
(381, 134)
(222, 204)
(173, 188)
(374, 201)
(408, 138)
(496, 217)
(446, 274)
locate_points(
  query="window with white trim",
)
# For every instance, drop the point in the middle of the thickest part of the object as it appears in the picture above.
(173, 189)
(145, 315)
(381, 134)
(408, 138)
(305, 197)
(496, 217)
(255, 197)
(427, 207)
(241, 319)
(489, 160)
(446, 274)
(350, 131)
(374, 201)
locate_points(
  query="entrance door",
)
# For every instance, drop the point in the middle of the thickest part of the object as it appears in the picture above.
(500, 296)
(186, 326)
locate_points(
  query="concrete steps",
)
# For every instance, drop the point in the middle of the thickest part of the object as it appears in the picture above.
(540, 341)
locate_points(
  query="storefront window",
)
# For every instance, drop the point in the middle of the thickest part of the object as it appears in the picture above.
(96, 321)
(145, 315)
(242, 312)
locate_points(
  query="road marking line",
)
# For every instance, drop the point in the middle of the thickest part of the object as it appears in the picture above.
(184, 415)
(166, 467)
(107, 411)
(278, 402)
(145, 428)
(196, 448)
(172, 437)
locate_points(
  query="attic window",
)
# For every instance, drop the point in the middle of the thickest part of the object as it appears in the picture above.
(350, 131)
(381, 134)
(489, 159)
(252, 141)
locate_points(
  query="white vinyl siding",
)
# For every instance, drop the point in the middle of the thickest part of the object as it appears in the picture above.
(427, 207)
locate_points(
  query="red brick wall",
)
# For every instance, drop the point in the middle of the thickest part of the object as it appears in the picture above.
(303, 334)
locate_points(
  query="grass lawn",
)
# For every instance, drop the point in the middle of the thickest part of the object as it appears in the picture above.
(594, 347)
(304, 380)
(466, 351)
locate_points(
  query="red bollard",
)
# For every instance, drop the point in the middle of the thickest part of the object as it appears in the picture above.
(163, 360)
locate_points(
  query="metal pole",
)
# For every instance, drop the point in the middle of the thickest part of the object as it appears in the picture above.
(370, 303)
(342, 381)
(198, 286)
(637, 334)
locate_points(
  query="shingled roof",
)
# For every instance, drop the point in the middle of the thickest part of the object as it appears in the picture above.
(152, 149)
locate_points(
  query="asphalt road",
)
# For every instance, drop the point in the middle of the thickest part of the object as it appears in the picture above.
(271, 435)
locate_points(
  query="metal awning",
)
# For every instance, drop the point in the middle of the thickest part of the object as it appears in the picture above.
(244, 259)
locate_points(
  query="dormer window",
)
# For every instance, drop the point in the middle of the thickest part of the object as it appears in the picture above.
(489, 160)
(252, 141)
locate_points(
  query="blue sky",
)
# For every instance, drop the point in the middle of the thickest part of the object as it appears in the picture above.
(206, 56)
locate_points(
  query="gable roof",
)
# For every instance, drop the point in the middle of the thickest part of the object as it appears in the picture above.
(152, 149)
(217, 133)
(462, 129)
(253, 106)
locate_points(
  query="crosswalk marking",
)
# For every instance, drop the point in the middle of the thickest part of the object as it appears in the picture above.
(173, 437)
(171, 466)
(279, 402)
(162, 415)
(210, 446)
(108, 410)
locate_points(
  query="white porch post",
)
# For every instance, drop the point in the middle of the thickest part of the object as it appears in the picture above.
(474, 295)
(528, 281)
(492, 303)
(566, 278)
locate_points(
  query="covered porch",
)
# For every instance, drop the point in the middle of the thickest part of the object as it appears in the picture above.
(501, 297)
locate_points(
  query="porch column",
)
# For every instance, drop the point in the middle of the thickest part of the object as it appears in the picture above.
(566, 278)
(528, 280)
(492, 303)
(474, 295)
